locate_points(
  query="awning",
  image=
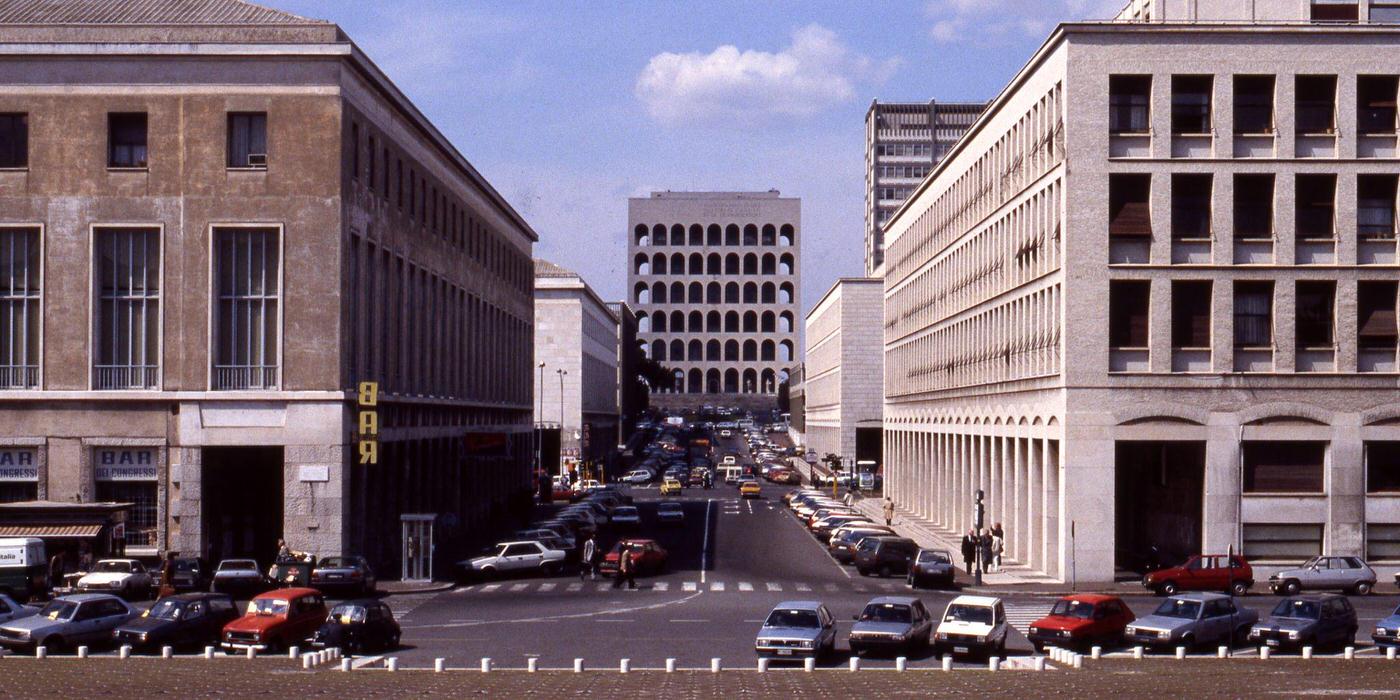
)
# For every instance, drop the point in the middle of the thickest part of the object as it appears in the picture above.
(50, 531)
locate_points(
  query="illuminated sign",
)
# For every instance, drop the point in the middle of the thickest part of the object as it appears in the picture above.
(367, 423)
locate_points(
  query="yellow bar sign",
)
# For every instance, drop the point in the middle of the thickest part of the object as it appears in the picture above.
(368, 423)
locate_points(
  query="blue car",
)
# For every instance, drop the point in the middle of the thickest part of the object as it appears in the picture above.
(1387, 633)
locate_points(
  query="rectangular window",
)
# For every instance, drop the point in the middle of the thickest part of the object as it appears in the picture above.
(1316, 311)
(1254, 206)
(126, 140)
(1316, 201)
(1317, 104)
(1334, 11)
(1254, 104)
(1382, 467)
(1190, 314)
(398, 177)
(127, 344)
(1375, 206)
(19, 308)
(1191, 198)
(1387, 12)
(247, 140)
(1382, 539)
(1283, 466)
(1127, 313)
(1375, 315)
(1128, 211)
(246, 326)
(1284, 542)
(14, 140)
(1375, 103)
(354, 151)
(373, 153)
(1129, 100)
(1191, 101)
(1254, 314)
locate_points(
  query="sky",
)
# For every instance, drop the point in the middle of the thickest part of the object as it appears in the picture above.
(569, 107)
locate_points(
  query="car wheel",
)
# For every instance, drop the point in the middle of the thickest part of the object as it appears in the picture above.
(488, 572)
(1292, 587)
(1167, 588)
(1239, 588)
(1362, 588)
(54, 644)
(1188, 641)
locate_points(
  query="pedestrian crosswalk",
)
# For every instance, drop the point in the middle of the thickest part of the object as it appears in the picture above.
(1019, 615)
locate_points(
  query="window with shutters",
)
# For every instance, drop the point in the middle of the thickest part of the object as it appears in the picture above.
(1191, 103)
(247, 140)
(126, 140)
(1254, 104)
(1129, 100)
(1128, 209)
(1316, 104)
(1283, 466)
(1281, 542)
(1385, 12)
(1191, 314)
(14, 140)
(1375, 104)
(1254, 207)
(1316, 206)
(1254, 312)
(1128, 303)
(1375, 315)
(1315, 314)
(1191, 198)
(1375, 207)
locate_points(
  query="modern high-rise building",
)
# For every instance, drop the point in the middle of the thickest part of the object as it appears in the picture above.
(1148, 304)
(903, 141)
(715, 278)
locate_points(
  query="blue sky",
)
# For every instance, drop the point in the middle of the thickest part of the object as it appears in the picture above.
(571, 107)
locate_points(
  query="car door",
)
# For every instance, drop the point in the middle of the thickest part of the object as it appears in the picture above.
(922, 621)
(194, 626)
(828, 636)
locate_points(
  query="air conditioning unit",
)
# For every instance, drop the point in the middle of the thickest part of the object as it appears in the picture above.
(257, 160)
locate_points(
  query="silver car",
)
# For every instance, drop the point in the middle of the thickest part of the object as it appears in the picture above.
(1191, 620)
(892, 623)
(515, 558)
(1345, 574)
(12, 610)
(797, 629)
(69, 621)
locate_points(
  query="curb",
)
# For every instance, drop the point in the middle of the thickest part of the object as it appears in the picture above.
(436, 588)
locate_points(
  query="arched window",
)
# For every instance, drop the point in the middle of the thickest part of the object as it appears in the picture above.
(659, 324)
(731, 381)
(750, 293)
(677, 322)
(642, 235)
(731, 322)
(658, 293)
(677, 293)
(678, 381)
(766, 323)
(714, 294)
(769, 294)
(750, 235)
(643, 322)
(770, 383)
(770, 235)
(712, 381)
(713, 322)
(712, 351)
(697, 235)
(750, 264)
(713, 235)
(658, 234)
(785, 351)
(785, 322)
(645, 350)
(770, 264)
(677, 264)
(785, 235)
(750, 381)
(694, 382)
(731, 264)
(658, 350)
(696, 322)
(642, 264)
(677, 350)
(731, 293)
(731, 235)
(658, 264)
(785, 264)
(713, 265)
(750, 322)
(785, 293)
(750, 351)
(697, 293)
(731, 351)
(677, 234)
(641, 293)
(695, 352)
(697, 264)
(766, 353)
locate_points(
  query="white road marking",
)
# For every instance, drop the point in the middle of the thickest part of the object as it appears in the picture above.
(519, 587)
(616, 619)
(604, 586)
(705, 546)
(365, 661)
(464, 589)
(1021, 615)
(803, 587)
(490, 588)
(546, 587)
(745, 586)
(689, 621)
(575, 587)
(749, 503)
(689, 586)
(717, 586)
(661, 586)
(773, 586)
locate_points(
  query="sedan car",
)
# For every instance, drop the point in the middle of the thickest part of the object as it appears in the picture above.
(972, 625)
(647, 555)
(626, 517)
(12, 610)
(191, 574)
(239, 578)
(127, 578)
(1315, 621)
(1192, 620)
(1387, 632)
(276, 620)
(514, 558)
(796, 629)
(1345, 574)
(68, 621)
(184, 620)
(350, 574)
(891, 623)
(1082, 620)
(931, 567)
(360, 626)
(670, 512)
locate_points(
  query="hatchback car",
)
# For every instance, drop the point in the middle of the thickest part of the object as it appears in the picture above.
(359, 625)
(750, 489)
(844, 541)
(626, 517)
(885, 556)
(127, 578)
(638, 477)
(891, 623)
(1316, 621)
(932, 567)
(972, 625)
(670, 486)
(276, 620)
(1229, 574)
(797, 629)
(184, 620)
(1387, 632)
(647, 555)
(1192, 620)
(1082, 620)
(68, 621)
(350, 574)
(191, 574)
(670, 512)
(1345, 574)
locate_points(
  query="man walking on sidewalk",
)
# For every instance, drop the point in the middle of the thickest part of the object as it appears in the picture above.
(969, 550)
(889, 512)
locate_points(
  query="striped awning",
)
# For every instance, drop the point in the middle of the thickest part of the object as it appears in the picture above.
(49, 531)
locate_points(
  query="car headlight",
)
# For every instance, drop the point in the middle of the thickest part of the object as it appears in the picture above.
(981, 637)
(1254, 633)
(1380, 631)
(1164, 634)
(1294, 634)
(943, 636)
(145, 636)
(1066, 633)
(1035, 630)
(806, 644)
(897, 637)
(1130, 630)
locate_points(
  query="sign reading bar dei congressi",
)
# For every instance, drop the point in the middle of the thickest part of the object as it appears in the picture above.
(125, 464)
(18, 465)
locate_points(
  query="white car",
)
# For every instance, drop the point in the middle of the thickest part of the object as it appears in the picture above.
(11, 610)
(626, 516)
(670, 512)
(515, 558)
(127, 578)
(638, 477)
(972, 625)
(586, 484)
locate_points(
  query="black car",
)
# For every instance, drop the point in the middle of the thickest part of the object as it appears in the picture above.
(191, 574)
(885, 556)
(359, 625)
(1307, 621)
(184, 620)
(350, 574)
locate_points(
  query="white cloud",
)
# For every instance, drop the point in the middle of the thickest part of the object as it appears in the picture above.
(814, 73)
(992, 21)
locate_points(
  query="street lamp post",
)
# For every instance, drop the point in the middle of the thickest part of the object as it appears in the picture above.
(561, 373)
(539, 422)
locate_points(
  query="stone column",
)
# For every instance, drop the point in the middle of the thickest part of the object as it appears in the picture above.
(1035, 496)
(1221, 512)
(1346, 493)
(1050, 485)
(1086, 466)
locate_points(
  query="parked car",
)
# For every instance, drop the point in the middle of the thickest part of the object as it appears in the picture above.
(1387, 632)
(127, 578)
(750, 489)
(240, 578)
(540, 534)
(647, 555)
(277, 619)
(68, 621)
(885, 556)
(1192, 620)
(24, 570)
(1082, 620)
(1346, 574)
(891, 623)
(844, 541)
(585, 485)
(796, 629)
(360, 626)
(823, 528)
(351, 574)
(931, 567)
(1315, 621)
(626, 517)
(191, 574)
(670, 487)
(12, 610)
(638, 477)
(514, 558)
(1209, 572)
(183, 620)
(972, 625)
(670, 512)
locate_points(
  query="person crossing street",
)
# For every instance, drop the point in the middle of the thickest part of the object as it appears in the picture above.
(587, 560)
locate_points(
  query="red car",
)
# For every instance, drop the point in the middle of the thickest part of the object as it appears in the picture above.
(276, 620)
(1207, 572)
(1082, 621)
(648, 556)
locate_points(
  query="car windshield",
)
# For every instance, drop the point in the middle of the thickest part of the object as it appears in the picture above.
(1184, 609)
(976, 614)
(186, 565)
(166, 609)
(869, 544)
(793, 618)
(1300, 609)
(59, 610)
(933, 558)
(625, 511)
(886, 612)
(238, 565)
(1072, 608)
(114, 567)
(268, 606)
(346, 614)
(337, 563)
(669, 506)
(1312, 562)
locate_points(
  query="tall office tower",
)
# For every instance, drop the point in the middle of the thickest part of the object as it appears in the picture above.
(715, 278)
(903, 141)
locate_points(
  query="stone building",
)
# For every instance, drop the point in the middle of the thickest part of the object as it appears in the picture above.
(576, 360)
(716, 281)
(631, 391)
(843, 384)
(216, 221)
(1160, 312)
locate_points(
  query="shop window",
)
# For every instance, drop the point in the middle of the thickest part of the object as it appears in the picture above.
(1254, 104)
(1316, 305)
(1191, 103)
(1191, 314)
(1129, 100)
(1128, 302)
(1191, 198)
(1284, 467)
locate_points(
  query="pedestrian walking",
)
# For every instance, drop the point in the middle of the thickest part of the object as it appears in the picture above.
(849, 498)
(984, 550)
(586, 560)
(625, 571)
(998, 546)
(969, 550)
(889, 512)
(167, 576)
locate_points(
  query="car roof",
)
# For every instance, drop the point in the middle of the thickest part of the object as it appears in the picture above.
(893, 600)
(1315, 597)
(363, 602)
(1200, 596)
(977, 600)
(511, 542)
(798, 605)
(197, 595)
(669, 504)
(129, 561)
(287, 593)
(636, 540)
(87, 597)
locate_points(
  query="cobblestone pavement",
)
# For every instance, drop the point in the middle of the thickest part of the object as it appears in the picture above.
(1195, 678)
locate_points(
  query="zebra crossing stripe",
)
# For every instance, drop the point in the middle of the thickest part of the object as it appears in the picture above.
(688, 586)
(745, 586)
(1021, 617)
(717, 586)
(519, 587)
(546, 587)
(575, 587)
(604, 586)
(490, 588)
(661, 586)
(803, 587)
(774, 587)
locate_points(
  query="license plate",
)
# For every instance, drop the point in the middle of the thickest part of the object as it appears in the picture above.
(336, 577)
(784, 652)
(1272, 642)
(959, 650)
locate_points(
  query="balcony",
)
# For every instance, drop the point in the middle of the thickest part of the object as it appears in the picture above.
(19, 377)
(235, 377)
(125, 377)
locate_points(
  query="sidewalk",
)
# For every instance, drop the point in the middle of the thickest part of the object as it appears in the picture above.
(409, 587)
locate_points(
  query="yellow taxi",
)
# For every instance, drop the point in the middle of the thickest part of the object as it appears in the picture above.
(750, 489)
(670, 487)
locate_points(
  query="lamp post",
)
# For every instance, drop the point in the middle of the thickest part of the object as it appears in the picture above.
(539, 422)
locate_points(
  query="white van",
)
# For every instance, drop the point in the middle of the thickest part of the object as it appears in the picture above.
(972, 625)
(730, 473)
(23, 567)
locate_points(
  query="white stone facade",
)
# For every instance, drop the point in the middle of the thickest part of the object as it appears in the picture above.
(576, 339)
(843, 370)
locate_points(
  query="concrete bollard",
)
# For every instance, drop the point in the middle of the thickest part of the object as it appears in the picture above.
(1349, 653)
(1390, 653)
(1137, 652)
(1264, 652)
(167, 652)
(809, 664)
(1039, 663)
(532, 664)
(1307, 652)
(1222, 652)
(82, 652)
(994, 663)
(578, 665)
(392, 663)
(1078, 661)
(346, 665)
(714, 665)
(252, 653)
(1096, 653)
(293, 652)
(670, 665)
(948, 663)
(125, 651)
(855, 664)
(208, 652)
(306, 662)
(901, 664)
(486, 664)
(762, 665)
(43, 652)
(439, 665)
(624, 666)
(1181, 652)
